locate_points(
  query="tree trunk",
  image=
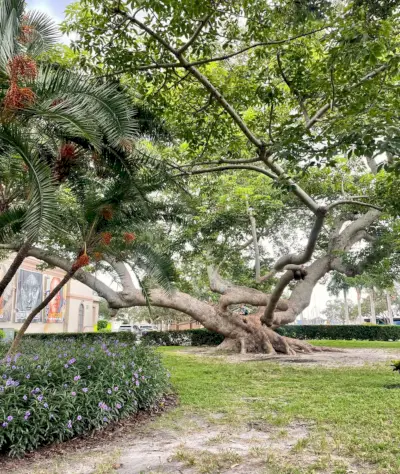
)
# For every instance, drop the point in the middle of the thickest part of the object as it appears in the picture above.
(360, 318)
(19, 258)
(389, 307)
(37, 310)
(372, 302)
(346, 308)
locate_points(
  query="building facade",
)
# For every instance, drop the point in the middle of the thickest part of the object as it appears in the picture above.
(74, 309)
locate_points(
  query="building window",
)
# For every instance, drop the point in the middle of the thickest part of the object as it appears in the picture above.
(81, 317)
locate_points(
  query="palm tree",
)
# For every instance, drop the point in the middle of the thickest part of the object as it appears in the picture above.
(102, 219)
(44, 114)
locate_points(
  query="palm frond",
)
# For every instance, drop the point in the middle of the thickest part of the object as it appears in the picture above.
(10, 14)
(11, 222)
(41, 215)
(85, 98)
(45, 32)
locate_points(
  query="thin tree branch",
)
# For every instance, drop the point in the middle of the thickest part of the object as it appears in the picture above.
(349, 201)
(321, 112)
(283, 282)
(200, 77)
(195, 34)
(229, 167)
(303, 257)
(255, 242)
(292, 89)
(267, 157)
(146, 67)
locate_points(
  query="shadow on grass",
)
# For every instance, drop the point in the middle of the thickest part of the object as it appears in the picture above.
(391, 386)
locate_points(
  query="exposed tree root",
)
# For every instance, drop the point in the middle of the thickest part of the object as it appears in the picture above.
(260, 339)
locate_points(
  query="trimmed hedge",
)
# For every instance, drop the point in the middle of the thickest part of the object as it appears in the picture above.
(189, 337)
(362, 333)
(83, 336)
(203, 337)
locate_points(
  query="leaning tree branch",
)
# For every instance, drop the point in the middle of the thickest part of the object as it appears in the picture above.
(303, 257)
(292, 89)
(322, 111)
(229, 167)
(196, 33)
(283, 282)
(255, 243)
(22, 252)
(200, 62)
(199, 76)
(122, 272)
(350, 201)
(233, 294)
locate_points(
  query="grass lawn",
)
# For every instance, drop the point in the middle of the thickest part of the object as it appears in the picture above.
(357, 344)
(352, 413)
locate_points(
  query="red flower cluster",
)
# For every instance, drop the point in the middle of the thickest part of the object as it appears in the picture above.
(27, 34)
(18, 97)
(107, 213)
(129, 237)
(106, 238)
(68, 150)
(22, 67)
(81, 261)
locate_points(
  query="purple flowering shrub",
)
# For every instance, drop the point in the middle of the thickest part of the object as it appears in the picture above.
(53, 390)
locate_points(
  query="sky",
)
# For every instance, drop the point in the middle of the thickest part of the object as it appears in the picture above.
(55, 8)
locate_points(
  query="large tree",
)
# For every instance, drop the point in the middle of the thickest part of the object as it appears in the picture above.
(274, 89)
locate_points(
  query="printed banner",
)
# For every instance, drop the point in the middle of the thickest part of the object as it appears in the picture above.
(6, 300)
(29, 295)
(55, 310)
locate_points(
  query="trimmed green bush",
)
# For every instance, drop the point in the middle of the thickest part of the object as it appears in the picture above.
(2, 335)
(362, 333)
(189, 337)
(203, 337)
(57, 388)
(102, 324)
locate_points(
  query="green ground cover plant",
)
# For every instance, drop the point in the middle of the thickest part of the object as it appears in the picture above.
(55, 389)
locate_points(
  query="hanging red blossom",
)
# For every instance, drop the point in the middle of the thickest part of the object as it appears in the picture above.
(106, 238)
(107, 213)
(18, 97)
(129, 237)
(68, 150)
(22, 67)
(81, 261)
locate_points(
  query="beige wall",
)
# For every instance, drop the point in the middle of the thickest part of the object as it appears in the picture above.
(76, 295)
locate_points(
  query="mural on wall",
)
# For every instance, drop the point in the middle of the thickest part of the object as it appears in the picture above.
(55, 310)
(29, 295)
(6, 300)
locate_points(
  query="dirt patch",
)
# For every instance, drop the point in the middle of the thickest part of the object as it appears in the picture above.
(256, 448)
(344, 357)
